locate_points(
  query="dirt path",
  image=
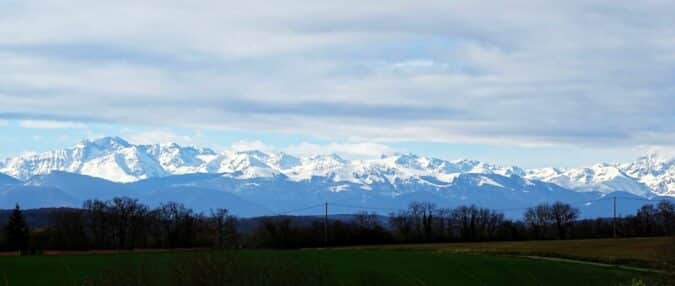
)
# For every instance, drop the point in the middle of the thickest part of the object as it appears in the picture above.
(639, 269)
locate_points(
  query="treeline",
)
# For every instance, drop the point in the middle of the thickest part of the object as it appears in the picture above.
(125, 223)
(424, 222)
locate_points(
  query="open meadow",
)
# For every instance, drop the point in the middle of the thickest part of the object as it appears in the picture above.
(454, 264)
(651, 252)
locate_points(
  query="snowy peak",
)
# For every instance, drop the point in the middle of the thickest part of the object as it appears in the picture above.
(603, 177)
(422, 163)
(110, 158)
(652, 164)
(655, 171)
(248, 164)
(106, 143)
(284, 161)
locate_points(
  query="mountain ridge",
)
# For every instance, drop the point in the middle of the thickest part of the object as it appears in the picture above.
(117, 160)
(277, 195)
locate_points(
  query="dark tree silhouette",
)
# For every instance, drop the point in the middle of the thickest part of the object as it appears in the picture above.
(539, 219)
(68, 230)
(667, 216)
(563, 215)
(225, 226)
(17, 230)
(178, 224)
(127, 223)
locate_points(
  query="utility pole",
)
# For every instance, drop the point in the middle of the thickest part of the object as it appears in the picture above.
(325, 226)
(614, 219)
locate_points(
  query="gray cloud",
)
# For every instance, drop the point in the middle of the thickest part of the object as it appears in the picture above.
(50, 117)
(521, 72)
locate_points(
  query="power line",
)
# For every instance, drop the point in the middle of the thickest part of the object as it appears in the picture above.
(636, 199)
(364, 207)
(569, 203)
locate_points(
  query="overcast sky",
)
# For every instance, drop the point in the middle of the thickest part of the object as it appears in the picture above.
(532, 83)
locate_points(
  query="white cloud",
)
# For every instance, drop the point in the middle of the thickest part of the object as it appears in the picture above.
(158, 136)
(665, 152)
(248, 145)
(354, 150)
(513, 72)
(4, 122)
(46, 124)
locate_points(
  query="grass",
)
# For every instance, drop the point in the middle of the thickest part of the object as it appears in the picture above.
(307, 267)
(654, 252)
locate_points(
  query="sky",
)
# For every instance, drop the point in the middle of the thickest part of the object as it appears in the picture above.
(528, 83)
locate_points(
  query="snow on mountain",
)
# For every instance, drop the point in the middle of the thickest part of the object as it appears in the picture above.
(391, 169)
(111, 158)
(245, 164)
(259, 183)
(655, 171)
(330, 166)
(649, 175)
(598, 178)
(114, 159)
(473, 166)
(175, 159)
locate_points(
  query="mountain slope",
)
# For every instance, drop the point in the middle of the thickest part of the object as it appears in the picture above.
(8, 180)
(82, 187)
(654, 171)
(282, 195)
(647, 176)
(114, 159)
(600, 178)
(30, 197)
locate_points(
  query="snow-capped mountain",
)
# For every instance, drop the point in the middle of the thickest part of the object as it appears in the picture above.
(110, 158)
(603, 178)
(114, 159)
(648, 175)
(654, 171)
(254, 183)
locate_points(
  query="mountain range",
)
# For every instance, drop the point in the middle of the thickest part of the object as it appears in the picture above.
(257, 183)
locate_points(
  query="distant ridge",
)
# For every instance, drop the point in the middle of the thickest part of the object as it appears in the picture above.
(115, 159)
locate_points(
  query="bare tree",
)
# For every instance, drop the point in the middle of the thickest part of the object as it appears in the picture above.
(539, 219)
(666, 211)
(177, 224)
(422, 214)
(127, 217)
(563, 215)
(402, 224)
(442, 223)
(646, 217)
(366, 220)
(225, 224)
(98, 222)
(68, 230)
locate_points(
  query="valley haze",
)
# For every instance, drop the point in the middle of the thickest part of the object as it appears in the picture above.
(255, 183)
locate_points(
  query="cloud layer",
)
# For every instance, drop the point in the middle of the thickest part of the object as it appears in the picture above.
(514, 72)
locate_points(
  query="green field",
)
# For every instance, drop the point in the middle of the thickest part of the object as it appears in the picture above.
(308, 267)
(652, 252)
